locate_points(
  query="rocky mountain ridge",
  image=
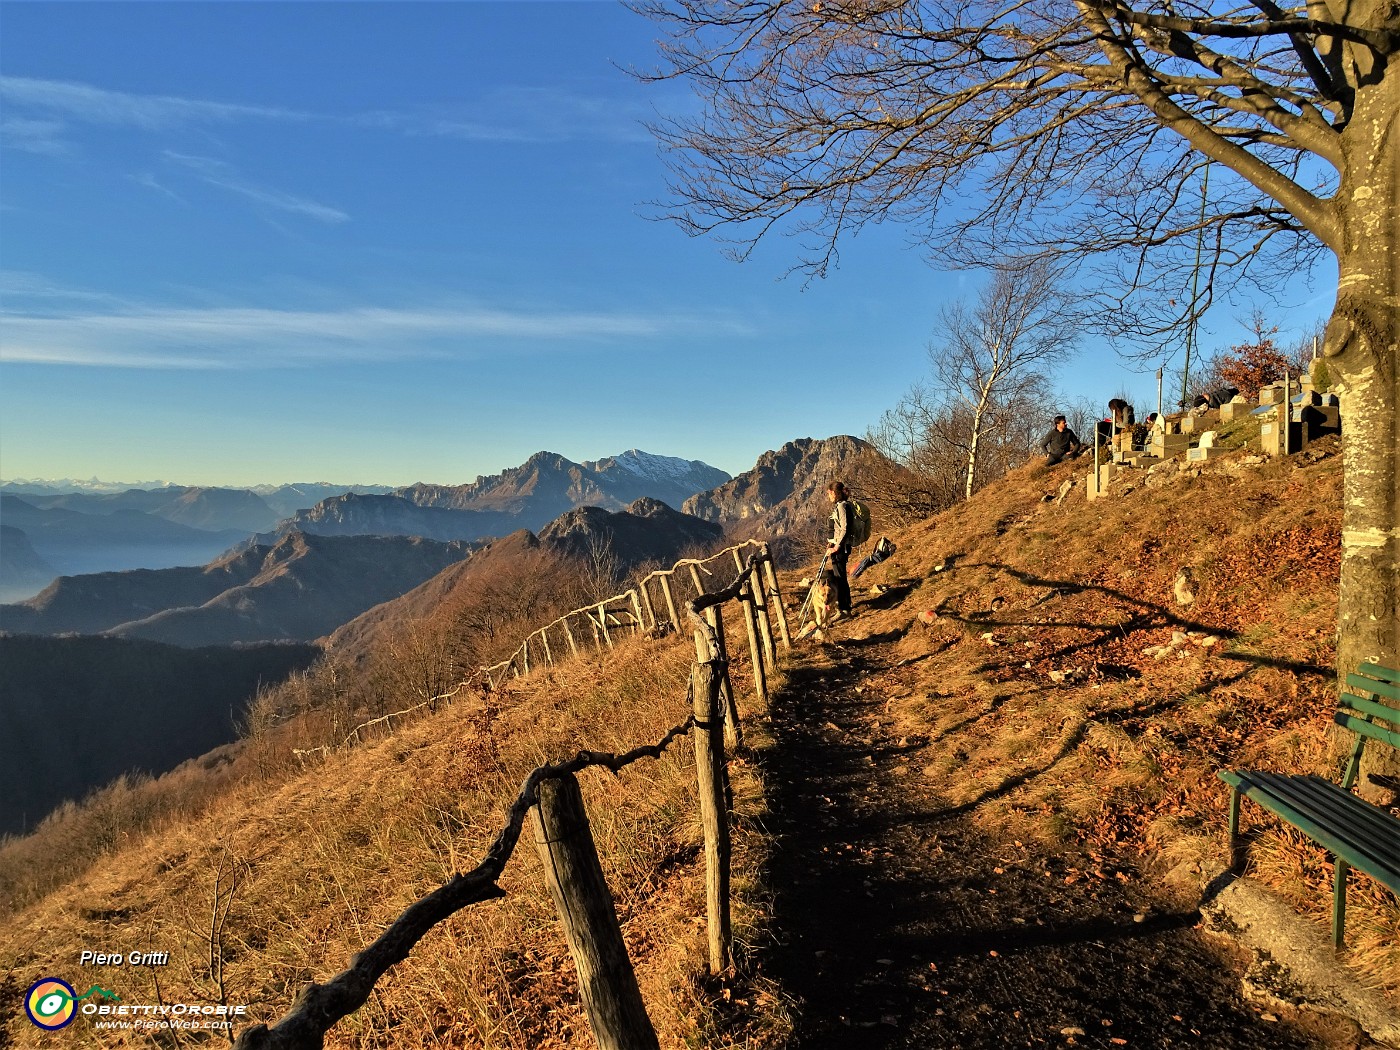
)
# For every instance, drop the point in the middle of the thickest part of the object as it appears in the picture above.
(298, 589)
(646, 532)
(784, 493)
(548, 484)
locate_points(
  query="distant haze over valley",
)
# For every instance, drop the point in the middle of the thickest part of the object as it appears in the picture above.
(69, 527)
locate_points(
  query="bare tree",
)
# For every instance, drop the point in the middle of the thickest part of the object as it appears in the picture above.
(993, 358)
(1088, 129)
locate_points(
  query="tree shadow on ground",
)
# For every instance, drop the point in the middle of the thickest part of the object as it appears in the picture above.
(1147, 615)
(899, 924)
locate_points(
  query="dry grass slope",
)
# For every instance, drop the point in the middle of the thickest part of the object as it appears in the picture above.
(1069, 697)
(305, 874)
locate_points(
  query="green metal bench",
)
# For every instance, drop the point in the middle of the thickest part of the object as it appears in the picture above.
(1358, 834)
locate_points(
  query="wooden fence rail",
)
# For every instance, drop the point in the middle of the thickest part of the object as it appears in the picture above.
(634, 611)
(608, 985)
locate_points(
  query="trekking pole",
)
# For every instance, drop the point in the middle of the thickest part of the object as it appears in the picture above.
(807, 601)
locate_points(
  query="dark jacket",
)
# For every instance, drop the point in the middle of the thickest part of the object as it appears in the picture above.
(1060, 442)
(1217, 397)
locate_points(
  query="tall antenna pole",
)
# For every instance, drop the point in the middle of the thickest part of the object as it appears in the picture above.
(1195, 289)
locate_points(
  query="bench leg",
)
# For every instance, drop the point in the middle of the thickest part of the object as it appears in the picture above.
(1339, 900)
(1236, 854)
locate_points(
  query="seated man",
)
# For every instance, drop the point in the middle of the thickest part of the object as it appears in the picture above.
(1061, 442)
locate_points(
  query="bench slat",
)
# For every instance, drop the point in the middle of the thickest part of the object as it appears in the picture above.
(1350, 814)
(1377, 829)
(1368, 685)
(1298, 811)
(1365, 728)
(1385, 674)
(1372, 707)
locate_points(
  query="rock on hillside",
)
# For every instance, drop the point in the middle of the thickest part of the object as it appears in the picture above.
(785, 491)
(547, 484)
(305, 587)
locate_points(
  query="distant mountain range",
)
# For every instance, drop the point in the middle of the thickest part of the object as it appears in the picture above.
(525, 497)
(296, 590)
(280, 500)
(69, 528)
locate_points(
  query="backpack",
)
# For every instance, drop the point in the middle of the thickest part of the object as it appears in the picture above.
(859, 522)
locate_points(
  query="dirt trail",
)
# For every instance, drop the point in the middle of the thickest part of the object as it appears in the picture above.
(906, 926)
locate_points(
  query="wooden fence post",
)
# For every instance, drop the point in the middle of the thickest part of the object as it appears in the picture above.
(544, 641)
(760, 608)
(525, 651)
(760, 676)
(645, 590)
(637, 610)
(569, 634)
(603, 622)
(607, 984)
(670, 600)
(712, 777)
(772, 576)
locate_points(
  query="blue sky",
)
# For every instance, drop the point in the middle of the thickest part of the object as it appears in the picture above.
(393, 242)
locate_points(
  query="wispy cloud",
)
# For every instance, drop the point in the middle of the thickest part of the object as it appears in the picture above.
(150, 182)
(34, 136)
(95, 105)
(253, 337)
(224, 176)
(524, 113)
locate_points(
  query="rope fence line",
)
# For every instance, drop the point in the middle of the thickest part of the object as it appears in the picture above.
(550, 796)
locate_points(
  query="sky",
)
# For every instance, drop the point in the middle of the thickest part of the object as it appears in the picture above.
(381, 243)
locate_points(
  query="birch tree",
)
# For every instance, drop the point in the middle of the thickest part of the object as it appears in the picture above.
(993, 357)
(1122, 134)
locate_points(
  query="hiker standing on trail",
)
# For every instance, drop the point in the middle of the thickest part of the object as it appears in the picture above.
(1061, 442)
(838, 546)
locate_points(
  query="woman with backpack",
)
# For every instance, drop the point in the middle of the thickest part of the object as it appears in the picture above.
(841, 538)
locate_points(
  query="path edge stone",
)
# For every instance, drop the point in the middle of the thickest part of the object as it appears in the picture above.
(1242, 909)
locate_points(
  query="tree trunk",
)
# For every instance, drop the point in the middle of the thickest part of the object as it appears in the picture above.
(979, 418)
(1362, 352)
